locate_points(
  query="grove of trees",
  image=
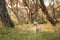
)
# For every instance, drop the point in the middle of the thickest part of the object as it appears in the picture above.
(32, 10)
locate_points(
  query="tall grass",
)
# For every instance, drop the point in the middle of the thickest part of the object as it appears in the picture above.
(13, 34)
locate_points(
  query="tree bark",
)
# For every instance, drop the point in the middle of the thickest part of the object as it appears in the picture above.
(4, 16)
(30, 10)
(36, 11)
(49, 18)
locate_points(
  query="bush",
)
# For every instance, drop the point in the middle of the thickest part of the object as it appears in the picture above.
(42, 21)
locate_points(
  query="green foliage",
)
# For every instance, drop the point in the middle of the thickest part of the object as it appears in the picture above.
(26, 21)
(41, 21)
(13, 34)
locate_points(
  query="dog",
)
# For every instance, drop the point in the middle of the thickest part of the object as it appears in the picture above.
(38, 28)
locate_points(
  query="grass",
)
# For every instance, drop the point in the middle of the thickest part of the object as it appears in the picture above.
(14, 34)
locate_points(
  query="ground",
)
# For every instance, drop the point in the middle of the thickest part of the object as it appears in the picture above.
(21, 32)
(44, 27)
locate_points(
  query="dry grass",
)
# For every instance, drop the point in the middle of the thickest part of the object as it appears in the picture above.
(44, 27)
(30, 27)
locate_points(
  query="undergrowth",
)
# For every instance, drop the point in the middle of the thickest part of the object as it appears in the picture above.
(13, 34)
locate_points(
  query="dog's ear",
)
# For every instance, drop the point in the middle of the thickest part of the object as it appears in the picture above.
(35, 22)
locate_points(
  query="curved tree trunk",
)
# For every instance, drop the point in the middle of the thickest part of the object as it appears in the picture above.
(49, 18)
(4, 16)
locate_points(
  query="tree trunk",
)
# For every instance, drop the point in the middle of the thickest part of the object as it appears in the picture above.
(46, 13)
(36, 11)
(4, 16)
(53, 9)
